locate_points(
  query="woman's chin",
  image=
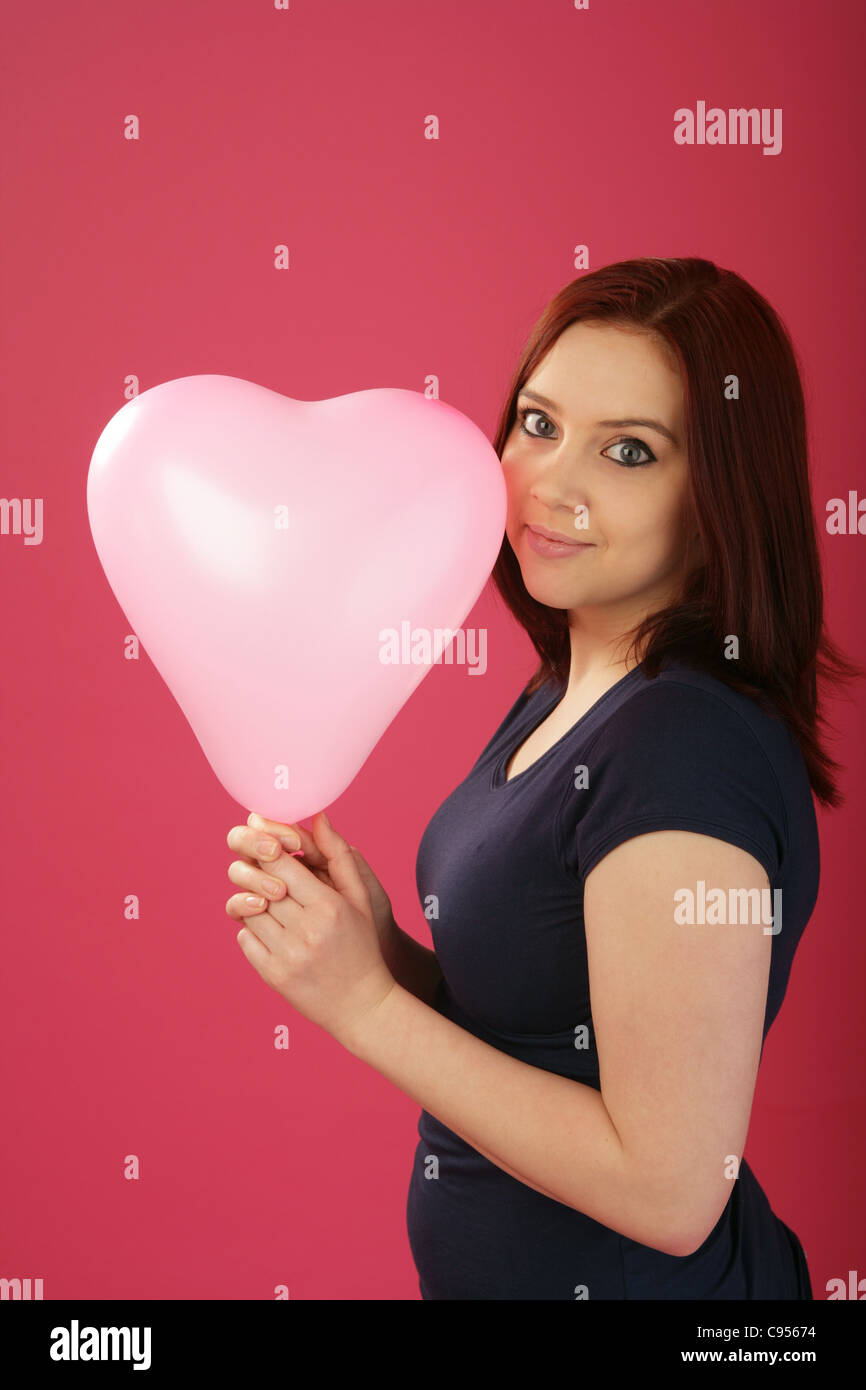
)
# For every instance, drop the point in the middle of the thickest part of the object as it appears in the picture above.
(553, 595)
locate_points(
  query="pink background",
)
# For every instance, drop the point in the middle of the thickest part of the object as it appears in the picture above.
(408, 257)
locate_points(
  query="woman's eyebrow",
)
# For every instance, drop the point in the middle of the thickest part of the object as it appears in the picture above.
(608, 424)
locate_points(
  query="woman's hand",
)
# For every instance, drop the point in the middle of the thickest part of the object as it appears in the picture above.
(314, 939)
(315, 860)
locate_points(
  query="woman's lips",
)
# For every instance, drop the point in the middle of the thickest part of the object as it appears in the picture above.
(543, 545)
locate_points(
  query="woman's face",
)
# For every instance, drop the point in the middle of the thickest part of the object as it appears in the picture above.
(594, 470)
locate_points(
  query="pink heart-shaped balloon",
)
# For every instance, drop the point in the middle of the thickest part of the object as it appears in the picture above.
(263, 548)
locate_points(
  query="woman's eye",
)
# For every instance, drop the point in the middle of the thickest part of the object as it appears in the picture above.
(523, 417)
(632, 448)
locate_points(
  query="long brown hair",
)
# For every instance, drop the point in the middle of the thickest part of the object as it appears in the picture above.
(749, 485)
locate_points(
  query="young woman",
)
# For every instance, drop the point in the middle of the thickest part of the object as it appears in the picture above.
(617, 888)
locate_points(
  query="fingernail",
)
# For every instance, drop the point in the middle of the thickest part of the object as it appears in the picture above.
(327, 822)
(254, 902)
(290, 840)
(267, 849)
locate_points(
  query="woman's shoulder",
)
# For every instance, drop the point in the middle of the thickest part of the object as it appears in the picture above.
(686, 727)
(683, 750)
(682, 695)
(684, 674)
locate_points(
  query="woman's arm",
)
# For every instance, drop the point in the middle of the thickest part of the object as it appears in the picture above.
(678, 1016)
(413, 966)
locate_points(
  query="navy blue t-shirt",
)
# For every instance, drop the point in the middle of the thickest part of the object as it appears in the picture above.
(500, 871)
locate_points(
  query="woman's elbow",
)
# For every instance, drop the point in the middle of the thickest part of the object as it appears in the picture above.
(686, 1235)
(683, 1219)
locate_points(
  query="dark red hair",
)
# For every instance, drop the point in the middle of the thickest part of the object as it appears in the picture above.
(749, 485)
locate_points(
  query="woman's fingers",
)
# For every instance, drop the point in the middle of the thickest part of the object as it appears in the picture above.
(313, 856)
(256, 880)
(342, 864)
(278, 829)
(254, 843)
(243, 905)
(264, 848)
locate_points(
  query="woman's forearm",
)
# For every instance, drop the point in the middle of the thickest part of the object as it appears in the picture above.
(551, 1133)
(416, 968)
(413, 966)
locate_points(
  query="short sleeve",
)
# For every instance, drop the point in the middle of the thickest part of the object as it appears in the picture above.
(674, 757)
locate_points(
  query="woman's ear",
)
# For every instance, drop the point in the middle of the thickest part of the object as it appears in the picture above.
(695, 556)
